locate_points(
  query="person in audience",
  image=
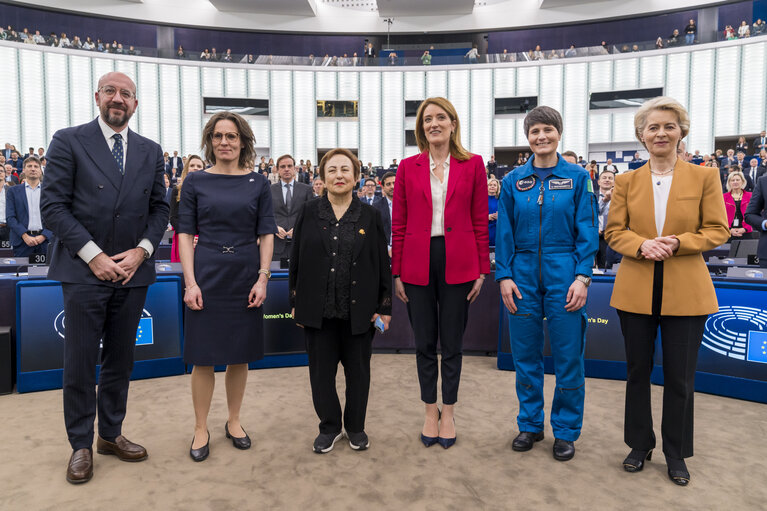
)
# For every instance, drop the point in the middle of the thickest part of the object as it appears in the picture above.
(369, 188)
(493, 192)
(193, 164)
(610, 166)
(30, 152)
(226, 275)
(659, 44)
(440, 265)
(760, 142)
(38, 38)
(214, 56)
(712, 161)
(744, 30)
(730, 159)
(729, 33)
(227, 56)
(663, 280)
(205, 55)
(740, 159)
(568, 239)
(536, 54)
(4, 231)
(6, 152)
(318, 187)
(370, 55)
(492, 166)
(89, 45)
(736, 203)
(758, 27)
(288, 197)
(180, 53)
(604, 194)
(472, 55)
(11, 176)
(131, 50)
(554, 55)
(571, 52)
(76, 43)
(752, 173)
(426, 58)
(99, 45)
(568, 156)
(64, 41)
(28, 234)
(16, 162)
(385, 203)
(741, 146)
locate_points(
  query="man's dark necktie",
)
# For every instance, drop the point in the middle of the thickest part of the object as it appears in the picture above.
(117, 152)
(288, 196)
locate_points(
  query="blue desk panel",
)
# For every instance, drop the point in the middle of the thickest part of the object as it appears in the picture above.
(40, 324)
(733, 356)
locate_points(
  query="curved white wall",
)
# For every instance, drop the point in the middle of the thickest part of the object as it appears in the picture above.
(722, 85)
(497, 14)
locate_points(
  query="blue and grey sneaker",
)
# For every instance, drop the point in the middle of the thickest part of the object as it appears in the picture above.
(325, 441)
(358, 441)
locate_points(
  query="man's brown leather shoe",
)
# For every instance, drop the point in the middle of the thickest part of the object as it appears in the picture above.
(122, 448)
(80, 469)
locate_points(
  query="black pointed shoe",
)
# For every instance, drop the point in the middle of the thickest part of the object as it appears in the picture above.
(564, 450)
(525, 440)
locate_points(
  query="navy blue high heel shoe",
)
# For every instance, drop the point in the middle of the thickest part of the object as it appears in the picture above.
(428, 441)
(447, 442)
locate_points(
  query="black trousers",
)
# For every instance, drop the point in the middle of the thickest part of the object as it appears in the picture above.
(438, 310)
(94, 313)
(680, 339)
(327, 346)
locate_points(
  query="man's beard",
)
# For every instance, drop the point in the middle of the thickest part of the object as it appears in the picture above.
(116, 120)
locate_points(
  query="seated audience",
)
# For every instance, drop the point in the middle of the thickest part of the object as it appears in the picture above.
(736, 202)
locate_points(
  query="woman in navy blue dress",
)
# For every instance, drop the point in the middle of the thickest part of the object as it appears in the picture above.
(230, 208)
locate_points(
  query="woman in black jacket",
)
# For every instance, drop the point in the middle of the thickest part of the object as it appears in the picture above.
(340, 285)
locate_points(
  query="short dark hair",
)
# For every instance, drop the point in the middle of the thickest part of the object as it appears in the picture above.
(32, 159)
(247, 139)
(543, 115)
(570, 153)
(277, 163)
(370, 179)
(344, 152)
(387, 175)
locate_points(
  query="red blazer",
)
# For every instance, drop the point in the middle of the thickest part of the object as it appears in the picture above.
(729, 205)
(467, 243)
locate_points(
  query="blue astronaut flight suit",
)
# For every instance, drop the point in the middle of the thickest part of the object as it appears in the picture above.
(547, 233)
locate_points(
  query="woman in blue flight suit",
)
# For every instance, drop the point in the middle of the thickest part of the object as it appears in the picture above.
(547, 236)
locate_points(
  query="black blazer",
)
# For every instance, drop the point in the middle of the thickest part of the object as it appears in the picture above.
(756, 213)
(85, 198)
(310, 265)
(382, 205)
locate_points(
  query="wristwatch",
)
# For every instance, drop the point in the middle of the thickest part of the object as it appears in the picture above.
(584, 279)
(266, 272)
(146, 253)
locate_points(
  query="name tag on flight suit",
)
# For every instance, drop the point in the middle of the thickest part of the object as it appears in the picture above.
(561, 184)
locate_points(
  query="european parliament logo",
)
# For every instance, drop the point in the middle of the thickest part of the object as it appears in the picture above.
(144, 334)
(738, 332)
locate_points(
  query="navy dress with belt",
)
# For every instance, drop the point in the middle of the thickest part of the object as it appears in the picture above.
(228, 212)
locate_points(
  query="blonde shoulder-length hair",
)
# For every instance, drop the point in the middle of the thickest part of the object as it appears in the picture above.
(730, 176)
(185, 171)
(661, 103)
(457, 151)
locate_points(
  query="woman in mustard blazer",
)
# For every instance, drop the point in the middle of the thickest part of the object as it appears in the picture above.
(662, 216)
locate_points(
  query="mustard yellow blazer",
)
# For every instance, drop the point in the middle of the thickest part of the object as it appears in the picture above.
(695, 214)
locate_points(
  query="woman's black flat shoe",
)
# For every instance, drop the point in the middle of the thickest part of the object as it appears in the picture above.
(677, 471)
(201, 453)
(241, 442)
(634, 462)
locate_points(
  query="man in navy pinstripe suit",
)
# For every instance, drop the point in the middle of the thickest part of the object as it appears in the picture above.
(103, 199)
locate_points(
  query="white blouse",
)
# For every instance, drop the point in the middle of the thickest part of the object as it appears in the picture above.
(661, 186)
(438, 196)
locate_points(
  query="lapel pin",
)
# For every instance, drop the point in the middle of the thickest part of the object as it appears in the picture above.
(362, 231)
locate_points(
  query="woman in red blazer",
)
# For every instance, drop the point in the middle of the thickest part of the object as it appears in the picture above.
(440, 254)
(735, 202)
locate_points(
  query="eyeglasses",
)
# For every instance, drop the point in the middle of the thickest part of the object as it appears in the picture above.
(110, 91)
(230, 137)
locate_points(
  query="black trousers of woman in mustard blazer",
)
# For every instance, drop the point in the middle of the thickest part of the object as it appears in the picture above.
(675, 294)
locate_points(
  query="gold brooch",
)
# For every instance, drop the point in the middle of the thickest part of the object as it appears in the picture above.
(362, 231)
